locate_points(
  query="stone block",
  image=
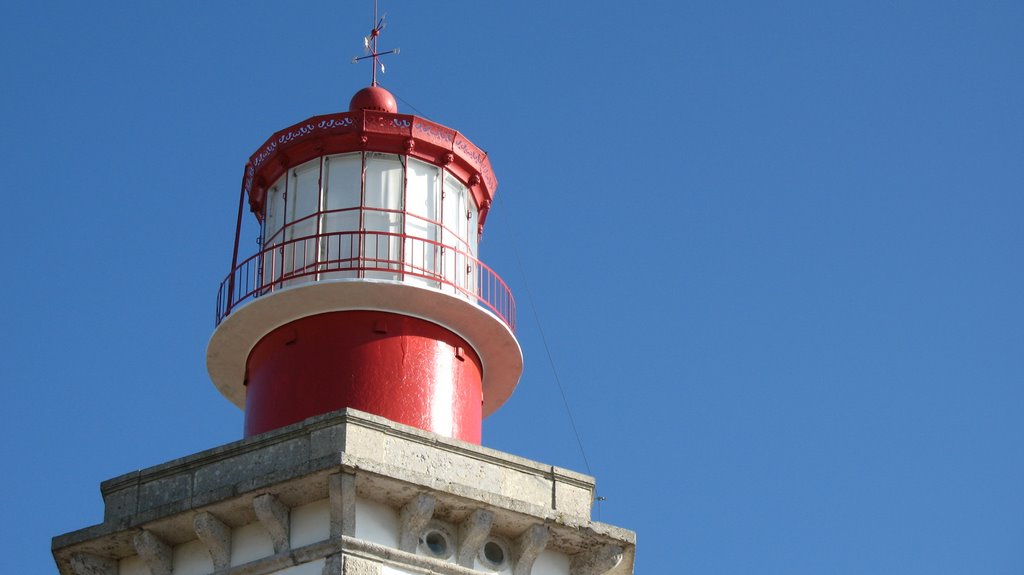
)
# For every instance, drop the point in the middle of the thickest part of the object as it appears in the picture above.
(359, 566)
(365, 442)
(251, 464)
(526, 487)
(573, 499)
(163, 491)
(120, 503)
(327, 441)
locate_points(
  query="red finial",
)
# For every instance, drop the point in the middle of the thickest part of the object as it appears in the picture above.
(370, 45)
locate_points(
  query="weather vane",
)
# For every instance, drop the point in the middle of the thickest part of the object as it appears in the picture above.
(370, 45)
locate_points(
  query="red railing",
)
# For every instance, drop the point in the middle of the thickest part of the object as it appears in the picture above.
(380, 255)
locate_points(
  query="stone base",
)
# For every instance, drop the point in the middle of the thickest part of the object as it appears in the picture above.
(348, 493)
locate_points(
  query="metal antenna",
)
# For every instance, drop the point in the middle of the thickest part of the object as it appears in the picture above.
(370, 45)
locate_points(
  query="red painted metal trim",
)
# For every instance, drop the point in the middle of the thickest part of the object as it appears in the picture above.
(406, 369)
(373, 131)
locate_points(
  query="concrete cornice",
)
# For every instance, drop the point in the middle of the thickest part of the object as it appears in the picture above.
(390, 463)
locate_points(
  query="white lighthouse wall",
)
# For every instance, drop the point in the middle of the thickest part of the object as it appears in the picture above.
(376, 522)
(250, 542)
(551, 563)
(310, 523)
(191, 558)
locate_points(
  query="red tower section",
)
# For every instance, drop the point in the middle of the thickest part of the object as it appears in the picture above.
(366, 291)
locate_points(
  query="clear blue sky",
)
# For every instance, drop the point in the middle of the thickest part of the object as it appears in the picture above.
(776, 248)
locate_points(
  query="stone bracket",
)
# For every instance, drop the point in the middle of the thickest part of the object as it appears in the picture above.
(341, 488)
(472, 534)
(154, 553)
(528, 547)
(413, 519)
(274, 516)
(216, 536)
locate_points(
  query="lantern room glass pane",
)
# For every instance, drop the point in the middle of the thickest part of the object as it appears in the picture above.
(339, 247)
(385, 175)
(384, 178)
(422, 195)
(454, 234)
(344, 181)
(273, 232)
(304, 199)
(273, 218)
(303, 203)
(473, 236)
(453, 193)
(422, 200)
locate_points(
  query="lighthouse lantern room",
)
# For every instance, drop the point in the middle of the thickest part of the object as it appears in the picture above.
(366, 290)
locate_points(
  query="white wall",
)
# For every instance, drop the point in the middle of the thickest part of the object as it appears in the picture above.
(191, 558)
(551, 563)
(250, 542)
(376, 522)
(310, 523)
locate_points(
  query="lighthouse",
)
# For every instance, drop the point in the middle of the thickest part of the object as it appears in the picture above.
(365, 341)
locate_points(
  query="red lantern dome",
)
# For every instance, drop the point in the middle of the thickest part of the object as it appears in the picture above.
(374, 99)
